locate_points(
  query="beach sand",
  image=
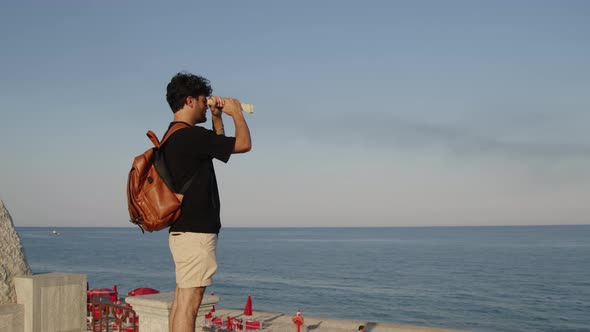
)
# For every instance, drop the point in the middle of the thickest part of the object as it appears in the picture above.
(278, 322)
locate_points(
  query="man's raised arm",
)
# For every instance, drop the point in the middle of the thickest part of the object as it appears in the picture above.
(232, 107)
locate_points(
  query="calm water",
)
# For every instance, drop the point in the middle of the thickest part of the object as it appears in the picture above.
(479, 278)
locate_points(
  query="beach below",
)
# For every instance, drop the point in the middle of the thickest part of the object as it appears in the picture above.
(279, 322)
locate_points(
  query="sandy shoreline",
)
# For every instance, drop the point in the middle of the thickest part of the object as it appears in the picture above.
(278, 322)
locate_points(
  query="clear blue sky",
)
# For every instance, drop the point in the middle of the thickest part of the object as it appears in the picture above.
(377, 113)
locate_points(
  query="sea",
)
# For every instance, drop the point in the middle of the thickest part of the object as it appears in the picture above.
(513, 278)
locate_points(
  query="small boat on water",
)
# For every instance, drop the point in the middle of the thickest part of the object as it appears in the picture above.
(55, 232)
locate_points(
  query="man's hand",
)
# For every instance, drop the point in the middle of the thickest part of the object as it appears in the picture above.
(215, 105)
(229, 106)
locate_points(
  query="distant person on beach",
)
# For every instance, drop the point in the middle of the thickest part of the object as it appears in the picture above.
(361, 328)
(190, 152)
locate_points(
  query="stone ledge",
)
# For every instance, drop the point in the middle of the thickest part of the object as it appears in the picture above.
(153, 310)
(164, 300)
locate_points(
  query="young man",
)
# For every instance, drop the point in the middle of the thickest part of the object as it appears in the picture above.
(189, 153)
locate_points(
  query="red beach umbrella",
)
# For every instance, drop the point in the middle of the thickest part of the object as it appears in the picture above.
(143, 291)
(248, 307)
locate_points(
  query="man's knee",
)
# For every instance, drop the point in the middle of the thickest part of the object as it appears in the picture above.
(195, 310)
(189, 299)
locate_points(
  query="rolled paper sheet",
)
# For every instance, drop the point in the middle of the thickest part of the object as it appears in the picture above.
(248, 108)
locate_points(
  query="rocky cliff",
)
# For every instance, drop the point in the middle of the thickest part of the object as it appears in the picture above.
(12, 257)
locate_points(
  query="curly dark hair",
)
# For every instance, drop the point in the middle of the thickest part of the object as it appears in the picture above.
(185, 84)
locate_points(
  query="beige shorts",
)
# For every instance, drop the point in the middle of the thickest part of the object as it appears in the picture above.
(194, 257)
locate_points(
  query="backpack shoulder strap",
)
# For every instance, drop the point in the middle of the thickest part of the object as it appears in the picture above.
(175, 127)
(150, 134)
(159, 159)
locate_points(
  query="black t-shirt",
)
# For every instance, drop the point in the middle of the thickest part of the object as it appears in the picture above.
(191, 150)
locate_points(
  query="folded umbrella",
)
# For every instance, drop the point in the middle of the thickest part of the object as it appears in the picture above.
(248, 307)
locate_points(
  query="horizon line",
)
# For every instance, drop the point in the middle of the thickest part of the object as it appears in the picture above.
(290, 227)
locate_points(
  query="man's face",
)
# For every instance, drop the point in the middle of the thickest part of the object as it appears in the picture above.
(200, 108)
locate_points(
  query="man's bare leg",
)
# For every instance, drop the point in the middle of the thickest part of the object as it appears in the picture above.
(172, 310)
(185, 309)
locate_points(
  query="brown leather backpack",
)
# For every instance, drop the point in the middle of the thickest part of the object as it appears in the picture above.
(153, 201)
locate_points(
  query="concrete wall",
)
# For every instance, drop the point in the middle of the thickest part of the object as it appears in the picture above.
(52, 301)
(12, 257)
(12, 317)
(153, 310)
